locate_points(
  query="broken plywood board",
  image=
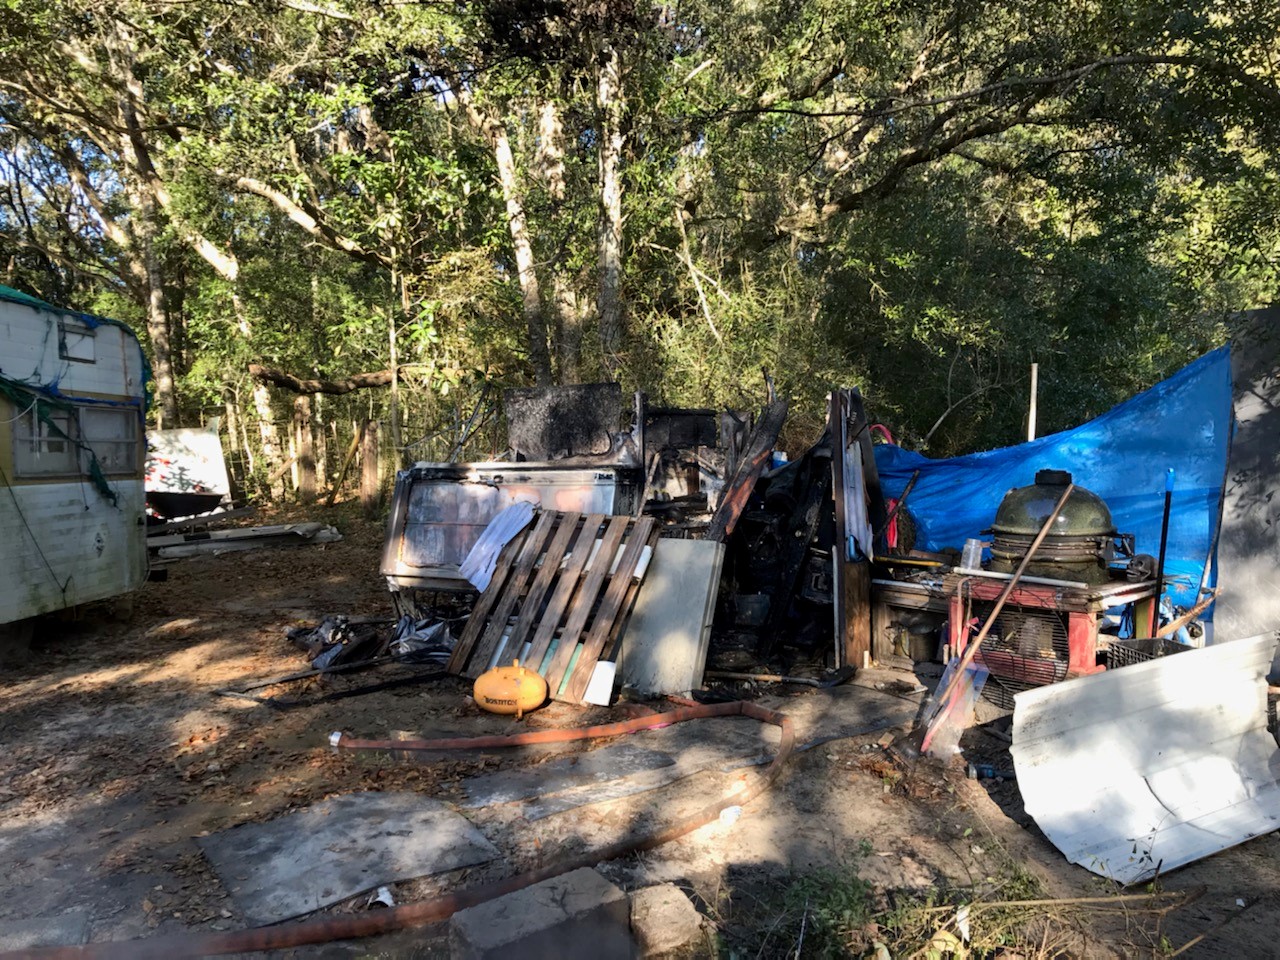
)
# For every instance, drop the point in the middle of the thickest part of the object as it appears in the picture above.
(339, 848)
(1143, 769)
(664, 645)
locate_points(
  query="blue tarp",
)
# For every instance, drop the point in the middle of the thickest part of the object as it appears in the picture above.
(1183, 422)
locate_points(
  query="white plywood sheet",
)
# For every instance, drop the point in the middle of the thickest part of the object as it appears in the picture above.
(1143, 769)
(664, 646)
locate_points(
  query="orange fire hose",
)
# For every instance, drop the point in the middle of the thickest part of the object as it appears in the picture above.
(328, 929)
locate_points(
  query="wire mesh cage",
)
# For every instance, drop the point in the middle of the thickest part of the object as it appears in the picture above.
(1026, 648)
(1123, 653)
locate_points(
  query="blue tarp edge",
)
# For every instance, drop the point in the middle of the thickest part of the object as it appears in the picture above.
(1183, 422)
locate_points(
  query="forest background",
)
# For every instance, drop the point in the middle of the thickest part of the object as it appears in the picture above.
(322, 212)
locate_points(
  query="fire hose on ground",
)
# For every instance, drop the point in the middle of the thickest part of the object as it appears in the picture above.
(329, 929)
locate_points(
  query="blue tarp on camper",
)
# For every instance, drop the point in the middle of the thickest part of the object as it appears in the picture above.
(1183, 422)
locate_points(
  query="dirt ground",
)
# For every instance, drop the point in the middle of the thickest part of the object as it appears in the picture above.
(119, 754)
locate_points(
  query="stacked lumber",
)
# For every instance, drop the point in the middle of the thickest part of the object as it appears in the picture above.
(558, 598)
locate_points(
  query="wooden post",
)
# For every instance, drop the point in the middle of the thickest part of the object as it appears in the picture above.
(857, 606)
(369, 485)
(852, 585)
(304, 444)
(322, 443)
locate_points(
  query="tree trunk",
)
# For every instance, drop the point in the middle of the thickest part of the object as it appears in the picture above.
(610, 105)
(295, 476)
(157, 318)
(267, 434)
(571, 324)
(322, 444)
(370, 488)
(518, 225)
(569, 318)
(393, 319)
(261, 405)
(250, 459)
(305, 448)
(233, 437)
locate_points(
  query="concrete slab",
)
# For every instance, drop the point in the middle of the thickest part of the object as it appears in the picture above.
(579, 914)
(64, 930)
(690, 748)
(339, 848)
(579, 769)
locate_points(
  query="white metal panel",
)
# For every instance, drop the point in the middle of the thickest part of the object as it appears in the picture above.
(187, 459)
(29, 351)
(664, 646)
(1152, 766)
(58, 553)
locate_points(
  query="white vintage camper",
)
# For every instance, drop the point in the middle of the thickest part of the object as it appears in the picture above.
(72, 441)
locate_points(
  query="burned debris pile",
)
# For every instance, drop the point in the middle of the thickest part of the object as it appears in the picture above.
(630, 569)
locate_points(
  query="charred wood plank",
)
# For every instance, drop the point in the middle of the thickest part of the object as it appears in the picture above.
(752, 463)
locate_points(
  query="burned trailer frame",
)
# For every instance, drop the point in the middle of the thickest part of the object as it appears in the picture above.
(438, 511)
(672, 464)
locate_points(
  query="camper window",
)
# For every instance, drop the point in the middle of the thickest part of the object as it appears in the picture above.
(75, 341)
(112, 434)
(42, 450)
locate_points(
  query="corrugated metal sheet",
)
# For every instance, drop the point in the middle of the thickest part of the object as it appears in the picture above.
(1152, 766)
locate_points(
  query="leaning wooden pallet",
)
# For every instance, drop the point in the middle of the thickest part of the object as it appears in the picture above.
(559, 594)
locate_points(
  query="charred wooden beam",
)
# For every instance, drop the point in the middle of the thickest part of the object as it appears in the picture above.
(733, 500)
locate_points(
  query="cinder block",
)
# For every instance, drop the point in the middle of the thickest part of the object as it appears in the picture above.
(663, 920)
(579, 914)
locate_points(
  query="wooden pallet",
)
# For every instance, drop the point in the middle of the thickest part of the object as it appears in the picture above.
(547, 592)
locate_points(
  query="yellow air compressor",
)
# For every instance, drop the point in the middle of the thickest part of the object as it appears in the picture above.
(512, 689)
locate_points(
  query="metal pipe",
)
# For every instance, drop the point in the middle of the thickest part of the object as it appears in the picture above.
(1164, 542)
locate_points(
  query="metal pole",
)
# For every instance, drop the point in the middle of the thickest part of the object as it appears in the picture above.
(1031, 412)
(1164, 542)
